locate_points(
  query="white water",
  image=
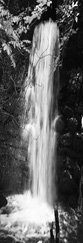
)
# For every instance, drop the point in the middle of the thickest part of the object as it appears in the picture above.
(29, 215)
(25, 216)
(39, 107)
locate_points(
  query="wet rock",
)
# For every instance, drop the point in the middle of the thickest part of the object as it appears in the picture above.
(71, 100)
(77, 173)
(3, 200)
(66, 139)
(9, 239)
(72, 201)
(78, 143)
(80, 38)
(63, 151)
(73, 154)
(69, 164)
(75, 81)
(59, 126)
(67, 184)
(79, 108)
(73, 124)
(68, 112)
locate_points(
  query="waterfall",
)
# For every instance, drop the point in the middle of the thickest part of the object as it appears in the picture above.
(41, 91)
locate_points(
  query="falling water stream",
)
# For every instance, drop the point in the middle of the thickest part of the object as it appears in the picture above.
(39, 122)
(39, 98)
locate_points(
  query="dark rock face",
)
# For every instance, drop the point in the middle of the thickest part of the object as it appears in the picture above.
(70, 105)
(67, 184)
(76, 174)
(73, 124)
(79, 108)
(69, 177)
(3, 200)
(72, 201)
(68, 112)
(78, 143)
(66, 139)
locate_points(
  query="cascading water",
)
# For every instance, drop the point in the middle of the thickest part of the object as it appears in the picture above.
(39, 107)
(26, 214)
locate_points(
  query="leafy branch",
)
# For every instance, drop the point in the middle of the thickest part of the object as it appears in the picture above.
(67, 15)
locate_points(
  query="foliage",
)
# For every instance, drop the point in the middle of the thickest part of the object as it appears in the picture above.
(14, 29)
(13, 62)
(67, 19)
(11, 28)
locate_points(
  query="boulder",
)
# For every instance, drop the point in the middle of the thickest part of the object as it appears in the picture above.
(3, 200)
(67, 184)
(59, 125)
